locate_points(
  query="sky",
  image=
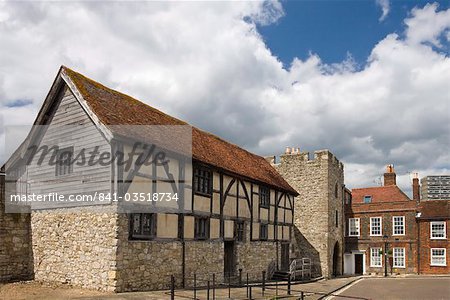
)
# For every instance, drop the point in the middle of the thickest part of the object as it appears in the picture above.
(368, 80)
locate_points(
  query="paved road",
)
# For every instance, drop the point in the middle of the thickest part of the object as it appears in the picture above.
(420, 288)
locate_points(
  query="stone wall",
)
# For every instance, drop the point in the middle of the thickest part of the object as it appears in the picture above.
(315, 233)
(76, 247)
(15, 243)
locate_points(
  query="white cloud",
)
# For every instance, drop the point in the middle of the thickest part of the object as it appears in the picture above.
(204, 63)
(385, 8)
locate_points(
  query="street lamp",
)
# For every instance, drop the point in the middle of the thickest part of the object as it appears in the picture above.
(385, 237)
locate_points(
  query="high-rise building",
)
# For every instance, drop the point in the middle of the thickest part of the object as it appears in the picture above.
(436, 187)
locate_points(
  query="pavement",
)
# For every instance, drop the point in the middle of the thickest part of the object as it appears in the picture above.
(311, 291)
(411, 288)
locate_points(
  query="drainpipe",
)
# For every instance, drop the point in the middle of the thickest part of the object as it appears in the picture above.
(418, 247)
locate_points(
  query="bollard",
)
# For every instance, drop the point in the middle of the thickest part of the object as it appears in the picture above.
(263, 282)
(207, 291)
(302, 296)
(289, 284)
(195, 286)
(214, 286)
(172, 287)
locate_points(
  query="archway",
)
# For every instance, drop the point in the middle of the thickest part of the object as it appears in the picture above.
(336, 259)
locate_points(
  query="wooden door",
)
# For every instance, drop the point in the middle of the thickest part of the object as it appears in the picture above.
(229, 259)
(285, 257)
(359, 261)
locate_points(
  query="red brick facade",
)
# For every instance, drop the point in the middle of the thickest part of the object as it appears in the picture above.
(437, 213)
(411, 244)
(365, 241)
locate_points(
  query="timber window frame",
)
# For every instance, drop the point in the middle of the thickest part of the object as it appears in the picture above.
(201, 228)
(398, 257)
(438, 230)
(354, 227)
(376, 260)
(398, 225)
(142, 226)
(202, 181)
(367, 199)
(438, 257)
(64, 161)
(263, 231)
(239, 231)
(264, 196)
(376, 226)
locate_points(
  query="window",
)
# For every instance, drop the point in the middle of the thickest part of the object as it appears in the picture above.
(438, 257)
(367, 199)
(375, 226)
(353, 227)
(437, 230)
(398, 225)
(336, 191)
(375, 257)
(337, 219)
(202, 181)
(239, 231)
(64, 163)
(264, 196)
(143, 226)
(263, 232)
(399, 257)
(201, 228)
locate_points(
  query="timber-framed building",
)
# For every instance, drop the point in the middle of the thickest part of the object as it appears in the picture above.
(240, 215)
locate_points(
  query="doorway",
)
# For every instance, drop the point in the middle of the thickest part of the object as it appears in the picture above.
(229, 259)
(359, 261)
(336, 260)
(285, 257)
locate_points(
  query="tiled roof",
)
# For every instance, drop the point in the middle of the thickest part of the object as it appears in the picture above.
(115, 108)
(434, 209)
(379, 194)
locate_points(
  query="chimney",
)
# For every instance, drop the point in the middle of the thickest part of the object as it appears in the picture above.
(416, 187)
(390, 176)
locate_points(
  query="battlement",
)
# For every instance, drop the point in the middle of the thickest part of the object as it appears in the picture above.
(294, 154)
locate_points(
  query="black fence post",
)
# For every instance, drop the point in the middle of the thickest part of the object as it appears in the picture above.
(172, 287)
(289, 284)
(240, 277)
(195, 286)
(214, 286)
(263, 282)
(276, 287)
(248, 293)
(229, 285)
(207, 291)
(302, 296)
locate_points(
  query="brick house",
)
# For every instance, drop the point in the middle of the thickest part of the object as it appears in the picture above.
(239, 214)
(433, 221)
(379, 218)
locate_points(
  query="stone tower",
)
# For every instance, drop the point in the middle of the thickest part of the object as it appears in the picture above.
(319, 213)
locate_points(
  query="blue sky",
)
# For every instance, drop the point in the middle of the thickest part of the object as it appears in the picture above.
(332, 28)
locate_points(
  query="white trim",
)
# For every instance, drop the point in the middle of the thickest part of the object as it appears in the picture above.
(404, 258)
(431, 230)
(379, 255)
(393, 225)
(103, 129)
(445, 257)
(381, 226)
(358, 224)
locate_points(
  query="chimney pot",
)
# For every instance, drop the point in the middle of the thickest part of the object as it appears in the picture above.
(288, 150)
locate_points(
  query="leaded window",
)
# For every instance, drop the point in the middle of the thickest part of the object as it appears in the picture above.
(143, 226)
(202, 181)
